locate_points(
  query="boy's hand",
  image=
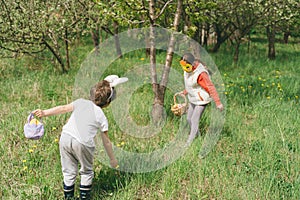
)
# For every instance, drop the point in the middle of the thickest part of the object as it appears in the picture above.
(114, 163)
(38, 113)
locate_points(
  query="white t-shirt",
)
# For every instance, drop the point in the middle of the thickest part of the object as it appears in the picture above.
(85, 121)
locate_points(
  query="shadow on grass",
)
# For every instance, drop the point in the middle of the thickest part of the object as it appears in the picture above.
(108, 181)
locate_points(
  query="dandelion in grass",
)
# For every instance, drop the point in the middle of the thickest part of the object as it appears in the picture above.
(242, 88)
(121, 144)
(268, 97)
(56, 140)
(142, 59)
(25, 168)
(34, 146)
(30, 150)
(53, 128)
(278, 85)
(24, 161)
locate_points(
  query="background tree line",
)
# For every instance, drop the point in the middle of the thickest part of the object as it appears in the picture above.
(34, 26)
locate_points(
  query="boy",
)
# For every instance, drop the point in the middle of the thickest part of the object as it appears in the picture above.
(76, 143)
(200, 91)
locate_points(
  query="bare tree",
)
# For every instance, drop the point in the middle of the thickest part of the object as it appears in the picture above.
(160, 88)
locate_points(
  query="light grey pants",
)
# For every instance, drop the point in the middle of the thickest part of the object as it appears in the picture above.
(193, 117)
(72, 154)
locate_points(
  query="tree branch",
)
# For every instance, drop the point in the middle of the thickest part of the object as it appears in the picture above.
(163, 9)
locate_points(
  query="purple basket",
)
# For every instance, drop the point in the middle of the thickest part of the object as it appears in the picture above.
(33, 131)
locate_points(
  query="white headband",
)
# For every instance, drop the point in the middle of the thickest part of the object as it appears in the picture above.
(114, 80)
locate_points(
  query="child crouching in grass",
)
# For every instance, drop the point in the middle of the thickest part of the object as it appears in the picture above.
(76, 143)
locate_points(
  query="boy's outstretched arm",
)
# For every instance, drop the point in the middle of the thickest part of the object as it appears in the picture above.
(53, 111)
(108, 148)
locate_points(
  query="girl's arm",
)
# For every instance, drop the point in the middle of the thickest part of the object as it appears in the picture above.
(54, 111)
(205, 82)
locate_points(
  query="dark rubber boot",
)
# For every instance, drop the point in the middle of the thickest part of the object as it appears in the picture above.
(69, 192)
(85, 192)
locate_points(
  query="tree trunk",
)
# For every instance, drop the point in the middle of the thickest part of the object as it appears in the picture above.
(56, 55)
(205, 32)
(67, 49)
(222, 36)
(157, 108)
(117, 41)
(237, 51)
(286, 36)
(271, 40)
(96, 39)
(159, 90)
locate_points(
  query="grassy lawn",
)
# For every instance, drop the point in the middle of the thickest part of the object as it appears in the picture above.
(256, 157)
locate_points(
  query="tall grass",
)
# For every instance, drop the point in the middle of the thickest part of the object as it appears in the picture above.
(257, 156)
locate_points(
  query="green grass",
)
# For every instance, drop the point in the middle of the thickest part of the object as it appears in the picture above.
(257, 156)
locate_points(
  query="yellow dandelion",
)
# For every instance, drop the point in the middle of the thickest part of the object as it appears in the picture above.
(30, 150)
(225, 93)
(118, 145)
(34, 146)
(24, 161)
(122, 143)
(56, 140)
(25, 168)
(268, 97)
(142, 59)
(53, 128)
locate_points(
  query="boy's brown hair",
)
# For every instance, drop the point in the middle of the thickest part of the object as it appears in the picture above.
(100, 93)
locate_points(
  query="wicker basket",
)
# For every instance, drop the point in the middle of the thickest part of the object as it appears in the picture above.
(179, 108)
